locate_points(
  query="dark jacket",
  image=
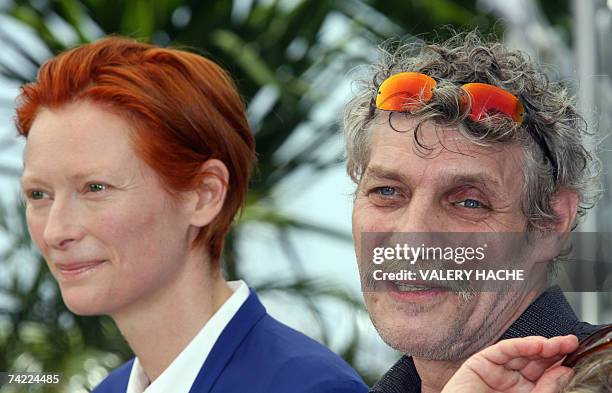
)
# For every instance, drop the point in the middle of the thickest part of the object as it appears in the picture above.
(549, 315)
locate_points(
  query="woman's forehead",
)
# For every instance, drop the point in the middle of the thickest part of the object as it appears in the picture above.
(78, 139)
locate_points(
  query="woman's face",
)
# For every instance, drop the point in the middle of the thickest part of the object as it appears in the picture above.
(111, 235)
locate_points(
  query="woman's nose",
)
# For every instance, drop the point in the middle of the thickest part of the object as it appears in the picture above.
(62, 227)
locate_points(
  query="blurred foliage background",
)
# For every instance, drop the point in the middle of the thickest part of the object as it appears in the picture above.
(289, 59)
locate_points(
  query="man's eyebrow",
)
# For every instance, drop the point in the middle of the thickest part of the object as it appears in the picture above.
(379, 172)
(490, 184)
(447, 179)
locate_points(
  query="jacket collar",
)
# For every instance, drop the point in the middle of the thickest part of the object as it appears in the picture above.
(238, 328)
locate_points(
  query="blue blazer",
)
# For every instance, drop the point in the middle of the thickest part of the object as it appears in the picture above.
(257, 354)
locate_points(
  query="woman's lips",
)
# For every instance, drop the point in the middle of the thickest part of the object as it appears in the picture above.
(75, 270)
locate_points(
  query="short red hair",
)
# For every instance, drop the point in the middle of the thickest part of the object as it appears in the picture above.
(183, 108)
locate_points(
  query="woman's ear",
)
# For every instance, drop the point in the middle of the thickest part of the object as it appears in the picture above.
(565, 206)
(210, 193)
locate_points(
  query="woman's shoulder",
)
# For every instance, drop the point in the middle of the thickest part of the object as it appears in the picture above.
(117, 380)
(280, 356)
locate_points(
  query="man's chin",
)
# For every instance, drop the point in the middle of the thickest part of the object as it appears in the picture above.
(429, 326)
(430, 343)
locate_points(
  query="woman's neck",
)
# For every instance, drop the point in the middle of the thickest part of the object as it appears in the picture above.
(159, 327)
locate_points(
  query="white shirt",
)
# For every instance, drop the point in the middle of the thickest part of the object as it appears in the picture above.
(182, 372)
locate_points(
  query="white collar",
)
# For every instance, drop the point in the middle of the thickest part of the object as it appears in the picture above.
(182, 372)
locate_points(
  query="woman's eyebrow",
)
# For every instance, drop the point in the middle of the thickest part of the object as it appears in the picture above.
(25, 179)
(84, 174)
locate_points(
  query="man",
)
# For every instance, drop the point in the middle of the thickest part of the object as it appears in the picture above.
(463, 137)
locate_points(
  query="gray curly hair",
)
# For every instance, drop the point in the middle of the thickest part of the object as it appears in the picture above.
(592, 374)
(553, 135)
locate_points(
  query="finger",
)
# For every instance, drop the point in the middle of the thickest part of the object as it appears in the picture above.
(490, 373)
(551, 352)
(570, 344)
(517, 363)
(506, 350)
(531, 348)
(536, 368)
(553, 380)
(560, 345)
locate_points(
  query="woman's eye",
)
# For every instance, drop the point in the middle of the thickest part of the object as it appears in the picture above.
(471, 204)
(37, 195)
(96, 187)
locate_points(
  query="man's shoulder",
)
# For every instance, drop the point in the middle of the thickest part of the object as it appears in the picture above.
(402, 377)
(282, 359)
(549, 315)
(117, 380)
(584, 329)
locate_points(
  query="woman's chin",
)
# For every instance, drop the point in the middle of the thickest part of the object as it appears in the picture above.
(81, 304)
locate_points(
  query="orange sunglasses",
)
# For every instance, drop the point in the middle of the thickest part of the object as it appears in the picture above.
(596, 342)
(405, 91)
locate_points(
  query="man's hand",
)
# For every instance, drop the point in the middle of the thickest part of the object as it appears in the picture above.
(518, 365)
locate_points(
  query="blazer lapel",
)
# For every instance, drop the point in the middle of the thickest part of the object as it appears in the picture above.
(238, 328)
(117, 381)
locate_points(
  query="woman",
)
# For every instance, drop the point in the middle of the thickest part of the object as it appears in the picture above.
(137, 159)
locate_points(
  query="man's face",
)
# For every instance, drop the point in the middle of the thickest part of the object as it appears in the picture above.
(456, 187)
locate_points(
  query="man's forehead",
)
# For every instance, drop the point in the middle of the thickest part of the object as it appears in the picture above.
(427, 136)
(443, 154)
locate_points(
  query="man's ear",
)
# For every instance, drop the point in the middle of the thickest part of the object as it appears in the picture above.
(210, 193)
(565, 206)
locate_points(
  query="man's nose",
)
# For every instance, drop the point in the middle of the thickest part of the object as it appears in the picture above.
(419, 215)
(62, 226)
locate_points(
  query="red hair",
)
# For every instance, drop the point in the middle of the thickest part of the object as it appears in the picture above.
(184, 110)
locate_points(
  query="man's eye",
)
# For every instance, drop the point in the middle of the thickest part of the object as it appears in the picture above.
(386, 191)
(471, 204)
(96, 187)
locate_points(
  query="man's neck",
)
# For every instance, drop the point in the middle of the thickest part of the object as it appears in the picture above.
(434, 374)
(162, 325)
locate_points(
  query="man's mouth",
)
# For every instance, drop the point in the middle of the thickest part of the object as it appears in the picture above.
(403, 291)
(422, 291)
(404, 287)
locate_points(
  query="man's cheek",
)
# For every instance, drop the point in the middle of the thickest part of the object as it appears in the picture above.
(370, 220)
